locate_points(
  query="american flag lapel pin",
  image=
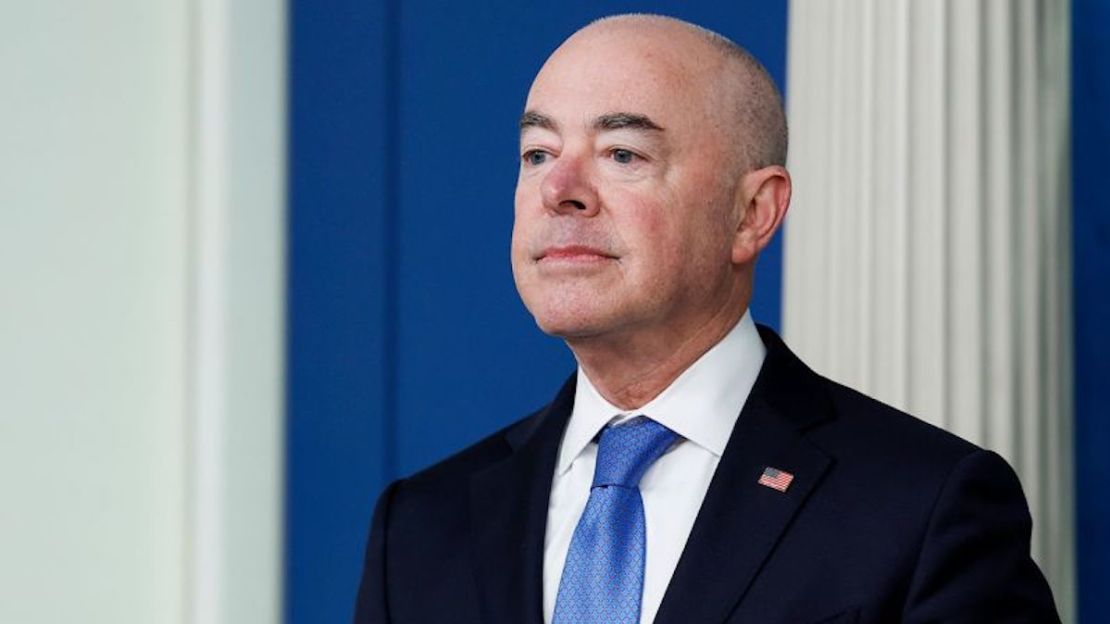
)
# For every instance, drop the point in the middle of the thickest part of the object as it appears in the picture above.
(775, 479)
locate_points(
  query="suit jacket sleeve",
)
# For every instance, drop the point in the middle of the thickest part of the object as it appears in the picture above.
(372, 606)
(974, 564)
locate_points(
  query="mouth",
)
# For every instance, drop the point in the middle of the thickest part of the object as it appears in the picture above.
(573, 254)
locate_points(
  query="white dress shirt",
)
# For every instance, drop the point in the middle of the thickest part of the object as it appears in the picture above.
(701, 406)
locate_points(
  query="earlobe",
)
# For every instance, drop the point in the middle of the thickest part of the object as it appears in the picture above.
(765, 197)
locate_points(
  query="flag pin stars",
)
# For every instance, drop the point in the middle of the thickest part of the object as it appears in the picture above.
(775, 479)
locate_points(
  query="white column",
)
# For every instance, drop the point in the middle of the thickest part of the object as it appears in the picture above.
(927, 249)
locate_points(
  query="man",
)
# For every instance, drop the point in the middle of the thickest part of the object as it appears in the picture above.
(693, 470)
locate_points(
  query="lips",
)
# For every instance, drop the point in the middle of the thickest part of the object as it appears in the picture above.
(573, 253)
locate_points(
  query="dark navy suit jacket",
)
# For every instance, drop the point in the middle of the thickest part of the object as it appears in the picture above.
(888, 519)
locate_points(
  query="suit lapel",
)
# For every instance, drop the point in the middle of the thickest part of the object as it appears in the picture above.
(508, 515)
(741, 521)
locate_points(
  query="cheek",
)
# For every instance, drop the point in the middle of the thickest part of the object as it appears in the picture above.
(525, 213)
(686, 250)
(520, 204)
(649, 228)
(643, 213)
(662, 254)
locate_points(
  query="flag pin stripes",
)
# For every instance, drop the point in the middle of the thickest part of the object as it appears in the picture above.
(775, 479)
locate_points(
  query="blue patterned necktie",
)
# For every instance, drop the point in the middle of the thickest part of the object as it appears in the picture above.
(603, 578)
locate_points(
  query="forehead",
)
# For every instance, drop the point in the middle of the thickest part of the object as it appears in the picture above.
(641, 72)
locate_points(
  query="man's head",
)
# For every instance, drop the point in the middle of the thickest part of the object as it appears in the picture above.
(651, 177)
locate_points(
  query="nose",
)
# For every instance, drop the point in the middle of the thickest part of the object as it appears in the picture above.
(568, 188)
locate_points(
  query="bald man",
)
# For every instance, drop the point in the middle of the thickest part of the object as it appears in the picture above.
(692, 470)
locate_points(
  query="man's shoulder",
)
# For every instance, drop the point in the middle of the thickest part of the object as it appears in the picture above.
(472, 459)
(897, 455)
(448, 482)
(847, 423)
(869, 414)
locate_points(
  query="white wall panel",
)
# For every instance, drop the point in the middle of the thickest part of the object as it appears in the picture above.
(104, 272)
(93, 253)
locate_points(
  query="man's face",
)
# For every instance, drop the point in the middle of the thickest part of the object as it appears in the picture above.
(624, 204)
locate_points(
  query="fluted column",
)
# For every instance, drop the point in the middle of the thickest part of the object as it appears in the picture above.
(927, 252)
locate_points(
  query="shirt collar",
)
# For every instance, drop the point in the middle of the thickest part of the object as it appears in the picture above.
(701, 405)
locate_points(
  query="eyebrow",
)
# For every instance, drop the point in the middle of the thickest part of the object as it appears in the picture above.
(532, 119)
(620, 121)
(608, 121)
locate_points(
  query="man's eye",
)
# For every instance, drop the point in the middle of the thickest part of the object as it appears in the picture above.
(535, 157)
(623, 156)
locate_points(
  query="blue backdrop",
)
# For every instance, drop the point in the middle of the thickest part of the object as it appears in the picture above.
(1091, 214)
(406, 338)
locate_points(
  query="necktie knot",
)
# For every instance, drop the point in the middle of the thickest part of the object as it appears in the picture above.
(626, 451)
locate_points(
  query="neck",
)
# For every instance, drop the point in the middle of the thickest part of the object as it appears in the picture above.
(630, 371)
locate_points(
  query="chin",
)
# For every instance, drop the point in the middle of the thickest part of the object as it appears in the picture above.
(565, 320)
(571, 334)
(572, 311)
(566, 326)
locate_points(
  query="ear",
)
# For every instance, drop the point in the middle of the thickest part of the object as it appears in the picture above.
(762, 197)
